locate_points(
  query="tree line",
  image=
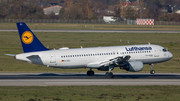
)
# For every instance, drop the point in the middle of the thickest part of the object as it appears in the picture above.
(88, 9)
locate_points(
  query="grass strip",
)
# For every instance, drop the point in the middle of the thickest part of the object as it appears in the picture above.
(91, 93)
(90, 26)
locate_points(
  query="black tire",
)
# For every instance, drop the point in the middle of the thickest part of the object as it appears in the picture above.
(90, 73)
(109, 74)
(152, 72)
(106, 74)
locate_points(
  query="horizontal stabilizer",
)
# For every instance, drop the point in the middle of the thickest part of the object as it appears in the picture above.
(10, 54)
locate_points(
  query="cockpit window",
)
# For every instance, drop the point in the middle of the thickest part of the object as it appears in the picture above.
(164, 50)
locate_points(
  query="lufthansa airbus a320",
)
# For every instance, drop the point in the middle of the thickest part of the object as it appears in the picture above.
(130, 57)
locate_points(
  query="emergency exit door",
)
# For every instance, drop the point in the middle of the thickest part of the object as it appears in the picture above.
(156, 53)
(53, 58)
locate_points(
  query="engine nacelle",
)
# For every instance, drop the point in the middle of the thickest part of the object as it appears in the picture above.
(134, 66)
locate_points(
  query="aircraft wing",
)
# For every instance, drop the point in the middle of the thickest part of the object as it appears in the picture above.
(114, 61)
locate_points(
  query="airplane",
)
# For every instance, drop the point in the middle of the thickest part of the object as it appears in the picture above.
(128, 57)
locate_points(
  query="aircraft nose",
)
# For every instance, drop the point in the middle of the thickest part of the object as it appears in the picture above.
(170, 55)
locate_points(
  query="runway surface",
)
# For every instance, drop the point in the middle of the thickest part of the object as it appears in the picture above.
(79, 79)
(101, 31)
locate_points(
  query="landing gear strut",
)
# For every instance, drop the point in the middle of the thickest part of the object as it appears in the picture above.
(90, 72)
(110, 74)
(152, 71)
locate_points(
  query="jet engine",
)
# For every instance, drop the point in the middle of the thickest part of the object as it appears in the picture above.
(134, 66)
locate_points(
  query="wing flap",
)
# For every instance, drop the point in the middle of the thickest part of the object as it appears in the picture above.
(114, 61)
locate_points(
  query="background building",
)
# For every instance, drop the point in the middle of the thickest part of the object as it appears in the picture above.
(52, 10)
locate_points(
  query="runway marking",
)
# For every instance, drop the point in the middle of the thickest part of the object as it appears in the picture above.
(81, 79)
(80, 82)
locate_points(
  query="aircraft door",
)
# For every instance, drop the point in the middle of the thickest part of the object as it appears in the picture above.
(52, 58)
(156, 53)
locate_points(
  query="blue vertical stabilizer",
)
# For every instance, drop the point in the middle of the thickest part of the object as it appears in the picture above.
(29, 41)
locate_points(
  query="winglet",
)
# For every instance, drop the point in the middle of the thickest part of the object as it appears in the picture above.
(29, 41)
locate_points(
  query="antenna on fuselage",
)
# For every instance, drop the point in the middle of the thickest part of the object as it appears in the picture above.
(81, 47)
(149, 43)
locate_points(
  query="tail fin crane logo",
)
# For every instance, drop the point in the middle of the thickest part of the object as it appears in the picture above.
(27, 37)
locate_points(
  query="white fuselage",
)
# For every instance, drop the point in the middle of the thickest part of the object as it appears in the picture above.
(81, 57)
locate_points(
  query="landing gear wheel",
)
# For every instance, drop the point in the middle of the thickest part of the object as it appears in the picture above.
(90, 73)
(106, 74)
(152, 72)
(109, 74)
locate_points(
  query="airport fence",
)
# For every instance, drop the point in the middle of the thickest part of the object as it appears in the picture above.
(126, 22)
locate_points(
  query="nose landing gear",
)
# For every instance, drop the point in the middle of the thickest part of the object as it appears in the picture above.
(152, 71)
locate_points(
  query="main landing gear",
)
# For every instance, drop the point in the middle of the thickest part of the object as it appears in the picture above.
(152, 71)
(90, 72)
(110, 74)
